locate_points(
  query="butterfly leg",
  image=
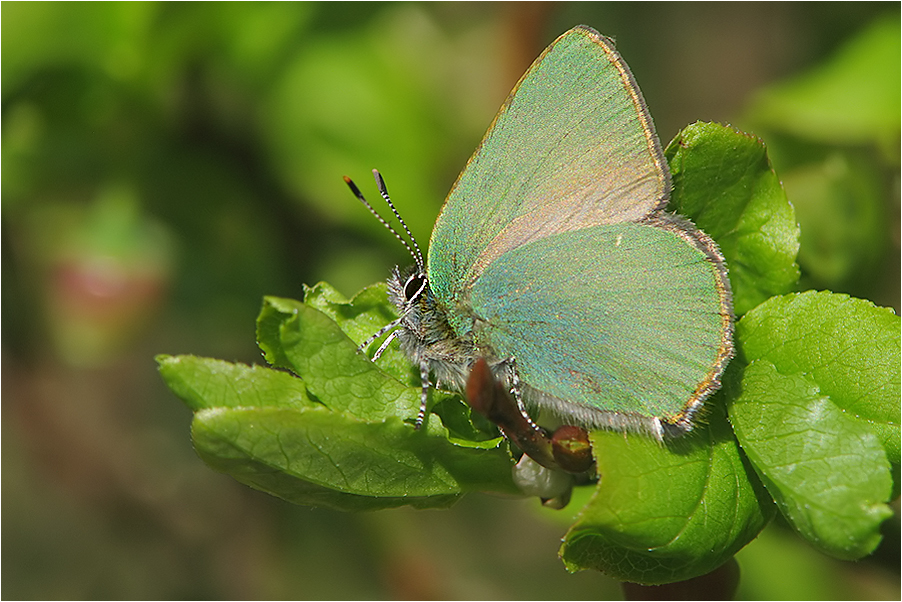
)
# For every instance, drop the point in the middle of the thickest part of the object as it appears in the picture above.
(384, 345)
(364, 345)
(424, 379)
(516, 391)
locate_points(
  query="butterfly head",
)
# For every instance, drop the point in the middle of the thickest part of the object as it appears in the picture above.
(420, 320)
(415, 286)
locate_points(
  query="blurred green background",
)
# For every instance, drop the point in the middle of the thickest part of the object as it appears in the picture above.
(165, 165)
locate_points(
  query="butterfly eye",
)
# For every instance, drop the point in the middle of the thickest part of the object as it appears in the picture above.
(414, 285)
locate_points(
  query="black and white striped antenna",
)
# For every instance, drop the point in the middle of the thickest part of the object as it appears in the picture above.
(380, 183)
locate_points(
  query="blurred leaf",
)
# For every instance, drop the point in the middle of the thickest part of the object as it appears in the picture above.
(246, 40)
(105, 36)
(344, 106)
(818, 412)
(663, 514)
(834, 134)
(724, 182)
(854, 98)
(402, 95)
(779, 565)
(839, 202)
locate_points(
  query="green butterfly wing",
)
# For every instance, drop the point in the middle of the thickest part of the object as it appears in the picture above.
(627, 318)
(572, 147)
(553, 249)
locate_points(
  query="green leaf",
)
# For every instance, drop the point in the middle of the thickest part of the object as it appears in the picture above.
(854, 98)
(362, 317)
(221, 453)
(359, 318)
(723, 180)
(849, 347)
(207, 383)
(314, 347)
(827, 472)
(340, 453)
(371, 390)
(338, 439)
(817, 413)
(269, 324)
(663, 514)
(298, 491)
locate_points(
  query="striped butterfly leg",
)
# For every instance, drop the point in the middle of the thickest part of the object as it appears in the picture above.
(570, 449)
(424, 393)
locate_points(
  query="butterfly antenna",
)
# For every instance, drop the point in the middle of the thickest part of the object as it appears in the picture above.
(416, 256)
(380, 183)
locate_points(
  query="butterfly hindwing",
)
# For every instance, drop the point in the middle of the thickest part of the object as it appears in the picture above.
(627, 318)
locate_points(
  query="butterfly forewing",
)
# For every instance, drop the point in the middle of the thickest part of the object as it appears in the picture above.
(572, 147)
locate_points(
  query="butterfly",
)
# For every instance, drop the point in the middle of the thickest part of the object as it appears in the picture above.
(554, 260)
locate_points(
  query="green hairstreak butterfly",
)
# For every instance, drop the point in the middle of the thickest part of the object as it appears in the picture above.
(554, 260)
